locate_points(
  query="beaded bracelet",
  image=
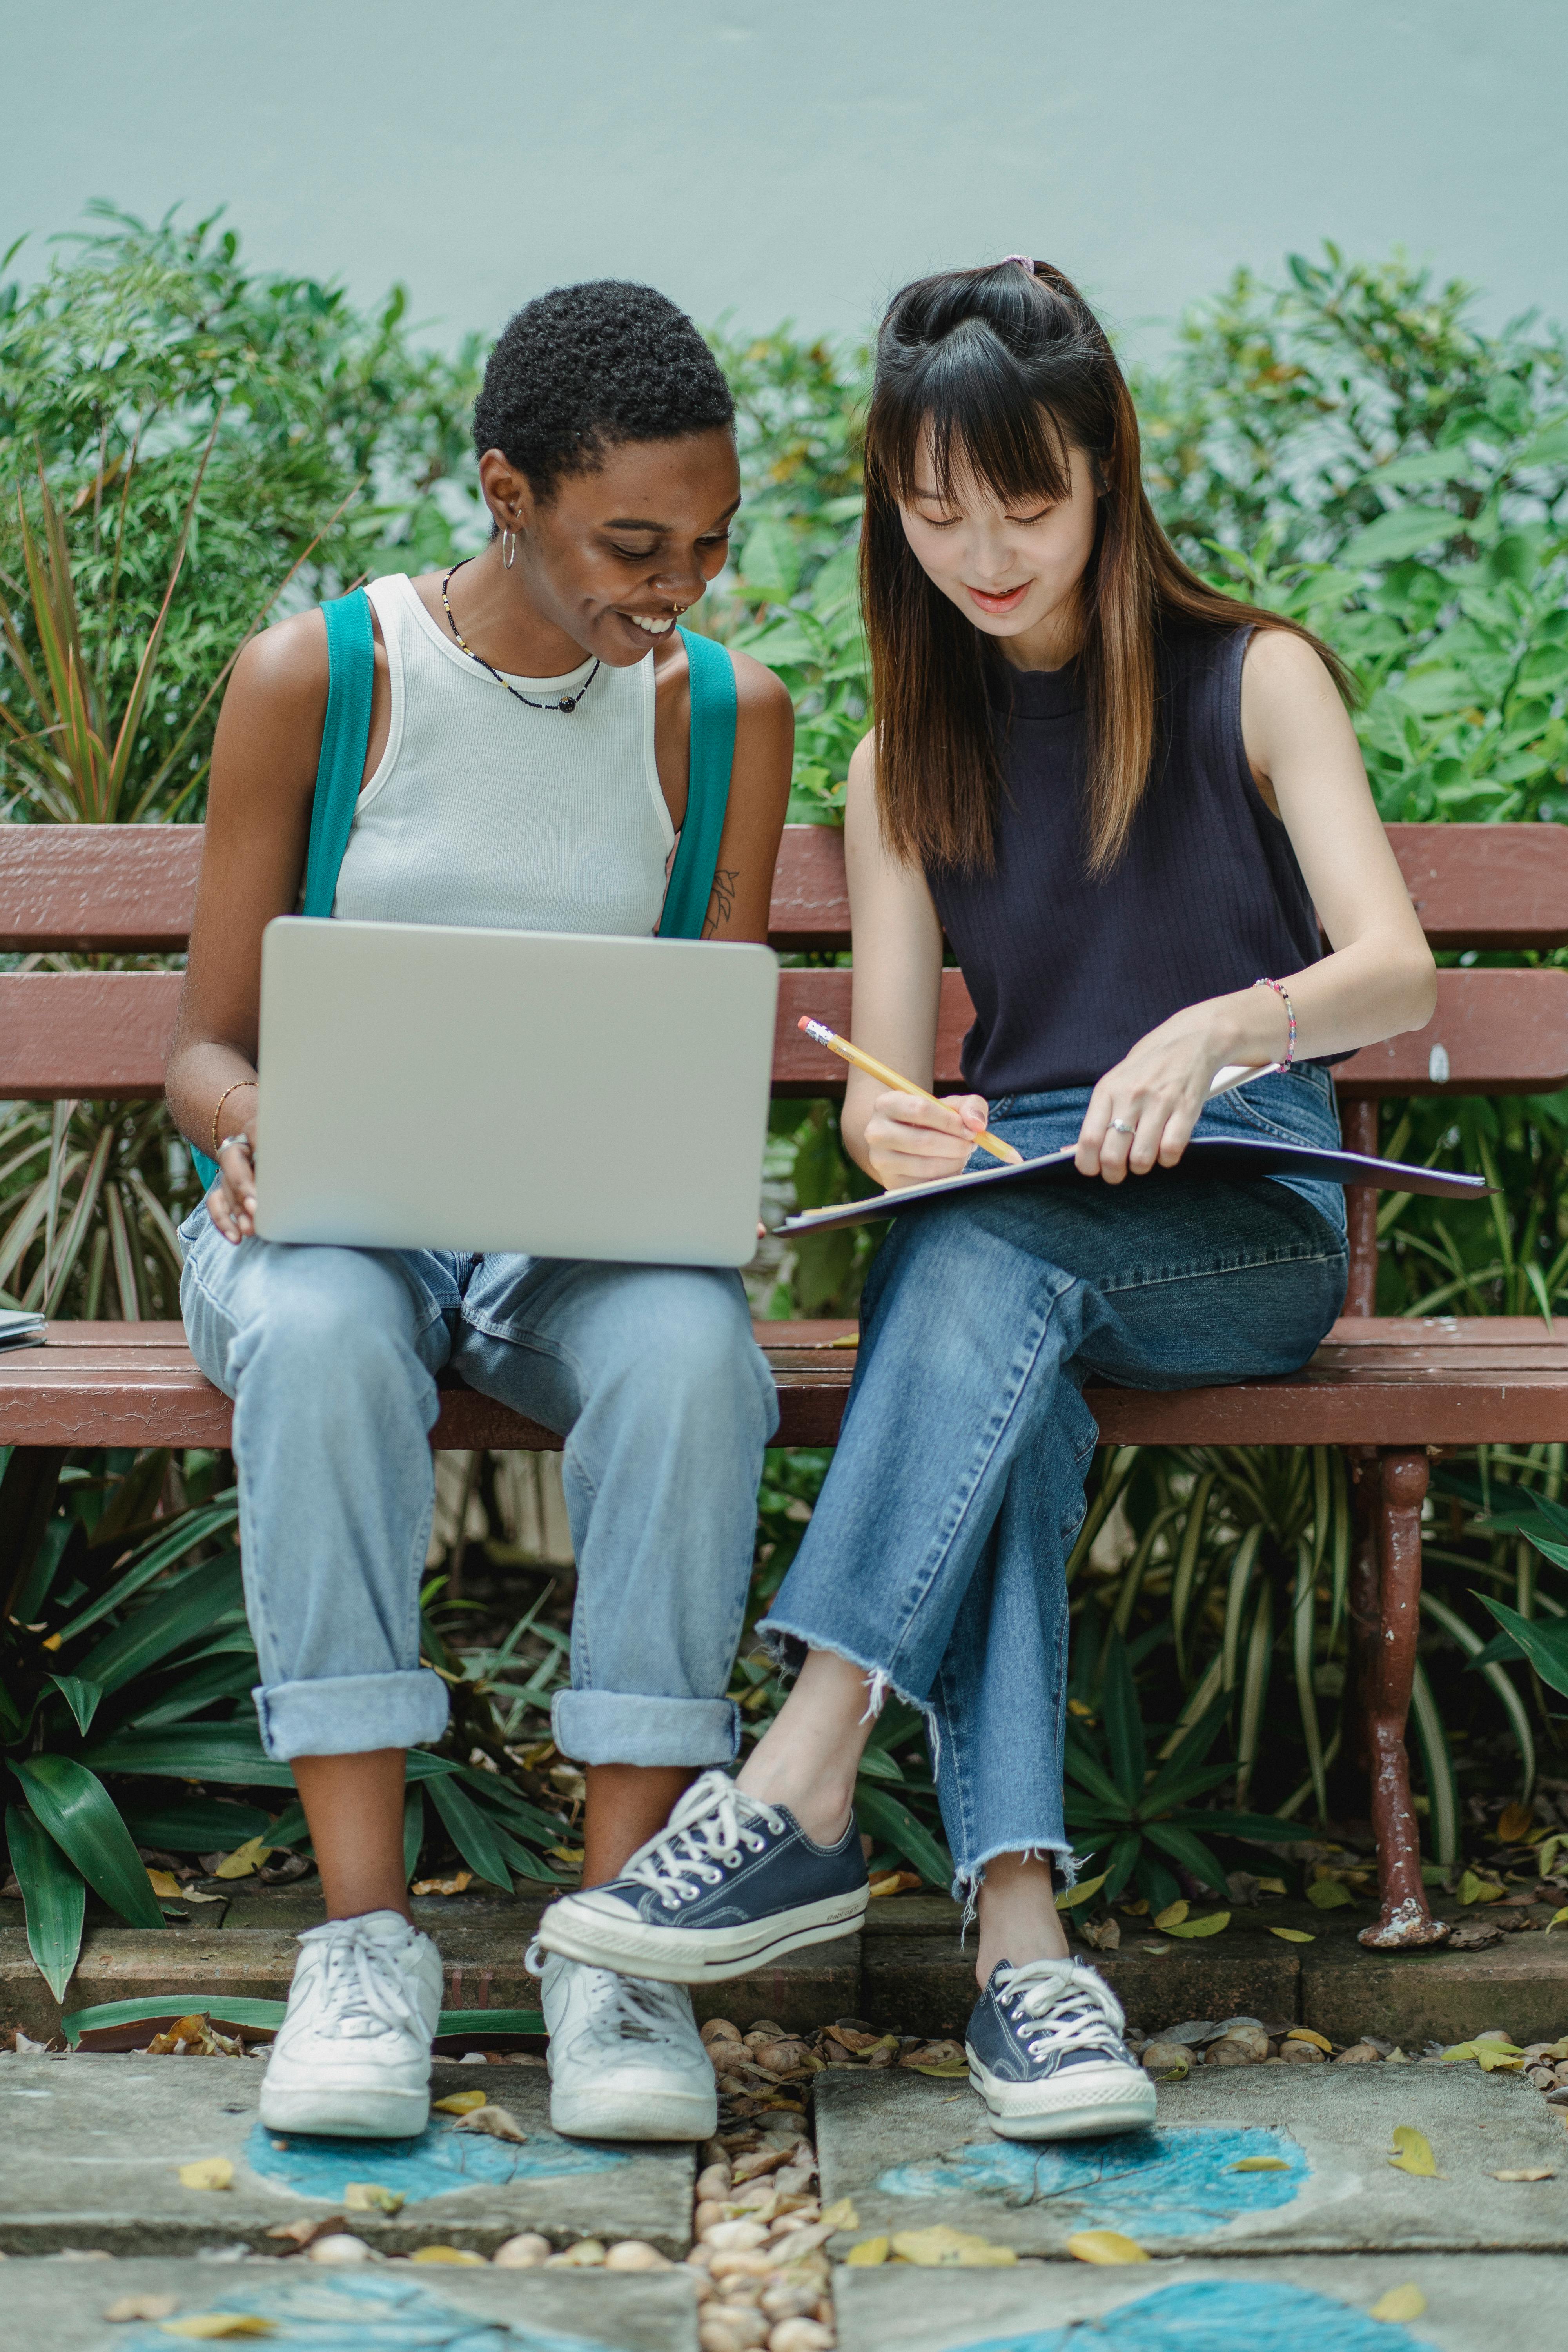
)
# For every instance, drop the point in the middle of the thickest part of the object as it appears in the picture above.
(250, 1082)
(1279, 991)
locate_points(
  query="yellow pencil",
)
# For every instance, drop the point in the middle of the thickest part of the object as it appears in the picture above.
(835, 1043)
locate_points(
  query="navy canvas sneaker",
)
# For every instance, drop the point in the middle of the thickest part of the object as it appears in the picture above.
(1047, 2056)
(730, 1882)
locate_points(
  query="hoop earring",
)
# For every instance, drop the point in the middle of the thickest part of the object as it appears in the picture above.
(507, 550)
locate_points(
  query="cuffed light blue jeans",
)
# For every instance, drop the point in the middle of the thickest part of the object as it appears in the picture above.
(935, 1555)
(666, 1404)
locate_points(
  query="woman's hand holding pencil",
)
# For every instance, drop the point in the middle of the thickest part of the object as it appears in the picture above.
(914, 1136)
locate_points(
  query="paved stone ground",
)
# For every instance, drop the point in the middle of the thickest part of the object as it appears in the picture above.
(1306, 2304)
(90, 2148)
(61, 2305)
(911, 2151)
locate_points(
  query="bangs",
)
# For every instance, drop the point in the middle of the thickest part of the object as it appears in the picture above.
(969, 402)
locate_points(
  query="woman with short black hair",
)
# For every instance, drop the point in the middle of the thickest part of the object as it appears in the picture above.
(528, 766)
(1125, 800)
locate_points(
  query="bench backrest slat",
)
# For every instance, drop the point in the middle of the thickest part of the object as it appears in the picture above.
(120, 889)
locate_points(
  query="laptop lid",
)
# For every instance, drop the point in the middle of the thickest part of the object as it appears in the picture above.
(427, 1087)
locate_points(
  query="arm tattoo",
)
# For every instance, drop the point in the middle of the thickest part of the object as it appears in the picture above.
(721, 901)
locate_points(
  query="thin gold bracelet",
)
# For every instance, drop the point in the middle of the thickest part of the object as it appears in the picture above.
(221, 1100)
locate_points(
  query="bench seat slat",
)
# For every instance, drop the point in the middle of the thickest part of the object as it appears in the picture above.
(1374, 1382)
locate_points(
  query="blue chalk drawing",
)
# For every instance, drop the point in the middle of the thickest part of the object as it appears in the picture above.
(1177, 2181)
(1216, 2316)
(366, 2314)
(440, 2160)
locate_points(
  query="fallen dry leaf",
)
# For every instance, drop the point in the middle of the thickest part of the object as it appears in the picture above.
(141, 2306)
(1104, 1936)
(1305, 2033)
(1087, 1888)
(244, 1860)
(1105, 2246)
(1293, 1935)
(840, 2216)
(1527, 2172)
(166, 1885)
(207, 2172)
(1413, 2152)
(1327, 1894)
(1211, 1926)
(945, 2070)
(213, 2326)
(868, 2253)
(496, 2123)
(453, 1885)
(1399, 2302)
(370, 2197)
(443, 2254)
(942, 2247)
(1259, 2164)
(1172, 1915)
(1555, 1921)
(459, 2102)
(1515, 1823)
(894, 1881)
(1477, 1890)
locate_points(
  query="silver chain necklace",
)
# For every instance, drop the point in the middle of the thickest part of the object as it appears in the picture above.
(568, 702)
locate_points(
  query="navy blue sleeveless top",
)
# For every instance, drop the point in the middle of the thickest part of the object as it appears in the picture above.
(1067, 972)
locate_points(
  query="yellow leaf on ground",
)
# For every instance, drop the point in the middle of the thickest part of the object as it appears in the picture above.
(141, 2306)
(166, 1885)
(840, 2216)
(370, 2197)
(1293, 1935)
(894, 1881)
(207, 2172)
(1271, 1886)
(1515, 1823)
(1172, 1915)
(1087, 1888)
(1496, 2057)
(570, 1854)
(1216, 1921)
(1399, 2302)
(443, 2254)
(1413, 2152)
(213, 2326)
(1327, 1893)
(244, 1860)
(942, 2248)
(946, 2069)
(460, 2102)
(1527, 2172)
(867, 2253)
(1305, 2033)
(1477, 1890)
(1105, 2246)
(1259, 2164)
(1557, 1918)
(453, 1885)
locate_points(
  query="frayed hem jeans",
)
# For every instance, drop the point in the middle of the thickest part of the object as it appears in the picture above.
(650, 1372)
(934, 1559)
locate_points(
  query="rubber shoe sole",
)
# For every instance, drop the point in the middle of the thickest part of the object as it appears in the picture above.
(344, 2110)
(579, 1931)
(1080, 2105)
(607, 2113)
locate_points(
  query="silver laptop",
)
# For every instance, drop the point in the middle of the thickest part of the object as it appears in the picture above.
(431, 1087)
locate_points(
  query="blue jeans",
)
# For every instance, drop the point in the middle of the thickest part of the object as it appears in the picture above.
(934, 1558)
(650, 1373)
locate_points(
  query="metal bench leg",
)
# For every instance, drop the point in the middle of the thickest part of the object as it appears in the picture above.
(1388, 1641)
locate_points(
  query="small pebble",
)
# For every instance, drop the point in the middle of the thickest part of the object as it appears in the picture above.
(1167, 2061)
(339, 2249)
(1302, 2053)
(1360, 2053)
(800, 2335)
(524, 2253)
(635, 2254)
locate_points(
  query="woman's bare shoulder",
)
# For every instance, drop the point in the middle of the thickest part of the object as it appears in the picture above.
(283, 671)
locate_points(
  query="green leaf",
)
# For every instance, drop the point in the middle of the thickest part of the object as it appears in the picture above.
(1185, 1758)
(893, 1824)
(54, 1898)
(1546, 1646)
(1119, 1865)
(200, 1825)
(196, 1528)
(82, 1817)
(266, 2016)
(1188, 1850)
(159, 1627)
(220, 1677)
(1124, 1724)
(80, 1695)
(206, 1751)
(1082, 1766)
(413, 1831)
(471, 1833)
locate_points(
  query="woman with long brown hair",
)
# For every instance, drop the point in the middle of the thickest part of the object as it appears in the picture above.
(1127, 801)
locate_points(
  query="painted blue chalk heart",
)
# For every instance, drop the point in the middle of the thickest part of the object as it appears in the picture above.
(322, 2314)
(440, 2160)
(1177, 2181)
(1216, 2316)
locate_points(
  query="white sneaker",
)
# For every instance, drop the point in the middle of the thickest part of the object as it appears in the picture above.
(626, 2060)
(353, 2054)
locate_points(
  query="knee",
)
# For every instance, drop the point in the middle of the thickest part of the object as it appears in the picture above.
(698, 1361)
(324, 1338)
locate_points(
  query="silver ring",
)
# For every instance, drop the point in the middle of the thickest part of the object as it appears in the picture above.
(1120, 1127)
(223, 1147)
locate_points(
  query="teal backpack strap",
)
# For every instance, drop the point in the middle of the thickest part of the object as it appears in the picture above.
(350, 675)
(690, 887)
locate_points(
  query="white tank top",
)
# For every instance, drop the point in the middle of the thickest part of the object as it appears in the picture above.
(484, 812)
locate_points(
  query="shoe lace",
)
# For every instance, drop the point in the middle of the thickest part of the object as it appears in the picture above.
(362, 1986)
(1054, 2005)
(703, 1840)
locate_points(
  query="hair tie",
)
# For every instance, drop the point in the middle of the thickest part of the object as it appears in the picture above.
(1022, 259)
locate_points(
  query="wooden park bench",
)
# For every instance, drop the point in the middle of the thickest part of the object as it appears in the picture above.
(1393, 1393)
